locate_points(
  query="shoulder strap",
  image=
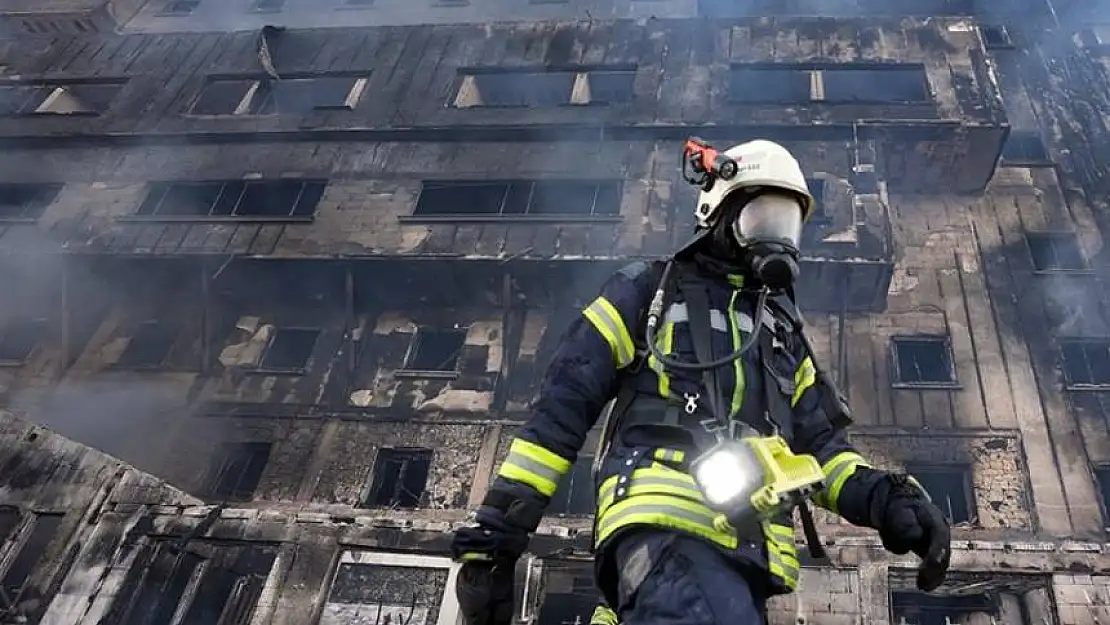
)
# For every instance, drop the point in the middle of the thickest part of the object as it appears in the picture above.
(696, 293)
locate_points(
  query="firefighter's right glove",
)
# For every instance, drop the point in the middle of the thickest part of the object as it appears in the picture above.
(908, 521)
(484, 586)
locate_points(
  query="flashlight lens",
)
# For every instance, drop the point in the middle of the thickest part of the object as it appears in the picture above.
(723, 476)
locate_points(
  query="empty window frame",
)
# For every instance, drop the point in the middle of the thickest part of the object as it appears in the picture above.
(149, 345)
(29, 548)
(399, 478)
(1055, 251)
(522, 199)
(199, 582)
(923, 361)
(26, 202)
(1086, 363)
(435, 350)
(542, 89)
(268, 6)
(950, 488)
(265, 96)
(265, 200)
(68, 98)
(995, 37)
(915, 608)
(1102, 477)
(180, 7)
(19, 338)
(1025, 148)
(569, 594)
(391, 588)
(782, 83)
(575, 494)
(289, 350)
(236, 470)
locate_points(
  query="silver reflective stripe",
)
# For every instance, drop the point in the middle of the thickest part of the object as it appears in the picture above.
(678, 313)
(790, 570)
(616, 328)
(607, 490)
(744, 320)
(531, 466)
(608, 524)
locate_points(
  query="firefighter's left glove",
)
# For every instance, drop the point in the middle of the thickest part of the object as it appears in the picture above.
(907, 521)
(484, 586)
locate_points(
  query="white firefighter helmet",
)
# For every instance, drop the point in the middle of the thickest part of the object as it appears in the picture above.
(760, 163)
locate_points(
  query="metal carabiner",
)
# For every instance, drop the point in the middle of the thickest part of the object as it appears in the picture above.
(691, 402)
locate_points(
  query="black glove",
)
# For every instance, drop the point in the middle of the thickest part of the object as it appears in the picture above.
(908, 521)
(484, 586)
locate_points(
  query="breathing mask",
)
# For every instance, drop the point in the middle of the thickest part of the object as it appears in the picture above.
(768, 228)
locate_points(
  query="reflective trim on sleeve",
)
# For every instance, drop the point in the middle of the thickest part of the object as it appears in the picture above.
(837, 471)
(804, 379)
(669, 455)
(534, 466)
(782, 554)
(607, 321)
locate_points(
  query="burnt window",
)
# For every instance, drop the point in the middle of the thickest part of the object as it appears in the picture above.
(1055, 251)
(19, 339)
(180, 7)
(923, 361)
(289, 350)
(399, 478)
(268, 6)
(949, 486)
(379, 588)
(995, 37)
(236, 470)
(228, 579)
(575, 494)
(915, 608)
(257, 96)
(604, 87)
(149, 345)
(515, 89)
(1025, 148)
(10, 517)
(32, 547)
(543, 199)
(763, 84)
(279, 199)
(26, 201)
(76, 98)
(1102, 476)
(880, 84)
(569, 596)
(1086, 363)
(435, 349)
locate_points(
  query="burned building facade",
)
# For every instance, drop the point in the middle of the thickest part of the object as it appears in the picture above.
(304, 282)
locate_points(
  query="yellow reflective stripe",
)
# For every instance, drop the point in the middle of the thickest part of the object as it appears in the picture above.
(782, 555)
(534, 466)
(804, 378)
(669, 455)
(738, 364)
(648, 486)
(837, 471)
(475, 557)
(603, 616)
(665, 342)
(663, 511)
(607, 321)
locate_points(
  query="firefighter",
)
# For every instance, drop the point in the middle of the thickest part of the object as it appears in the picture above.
(694, 352)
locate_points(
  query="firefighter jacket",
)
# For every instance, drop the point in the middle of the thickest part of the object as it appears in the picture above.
(643, 480)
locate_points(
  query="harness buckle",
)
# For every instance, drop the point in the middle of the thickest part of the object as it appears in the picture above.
(691, 402)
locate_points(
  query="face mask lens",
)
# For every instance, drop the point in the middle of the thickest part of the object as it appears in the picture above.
(768, 217)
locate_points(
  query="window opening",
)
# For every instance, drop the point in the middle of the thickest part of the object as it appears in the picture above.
(399, 478)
